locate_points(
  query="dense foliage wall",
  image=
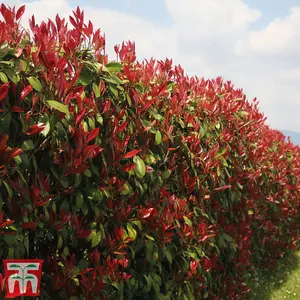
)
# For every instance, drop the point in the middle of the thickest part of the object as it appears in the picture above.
(132, 180)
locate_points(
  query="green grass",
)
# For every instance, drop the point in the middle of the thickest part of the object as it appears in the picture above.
(281, 283)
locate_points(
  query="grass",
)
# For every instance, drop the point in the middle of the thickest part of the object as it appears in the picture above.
(281, 283)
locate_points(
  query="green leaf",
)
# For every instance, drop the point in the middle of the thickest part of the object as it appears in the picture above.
(96, 66)
(12, 75)
(168, 256)
(24, 64)
(113, 79)
(9, 189)
(202, 132)
(127, 189)
(85, 77)
(83, 264)
(137, 223)
(147, 288)
(79, 200)
(36, 84)
(228, 237)
(188, 221)
(66, 252)
(166, 174)
(131, 231)
(5, 121)
(242, 113)
(99, 119)
(96, 239)
(114, 67)
(91, 236)
(222, 152)
(59, 242)
(95, 194)
(88, 173)
(149, 237)
(46, 129)
(59, 106)
(27, 145)
(158, 137)
(10, 240)
(140, 168)
(3, 77)
(76, 280)
(96, 90)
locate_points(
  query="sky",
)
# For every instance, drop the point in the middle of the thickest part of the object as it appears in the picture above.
(253, 43)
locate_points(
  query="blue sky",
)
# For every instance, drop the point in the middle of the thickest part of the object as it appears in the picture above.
(253, 43)
(155, 10)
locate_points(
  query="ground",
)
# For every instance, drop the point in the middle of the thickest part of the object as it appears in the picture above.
(281, 283)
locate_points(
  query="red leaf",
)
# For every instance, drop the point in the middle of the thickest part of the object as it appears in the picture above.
(80, 116)
(91, 151)
(146, 213)
(93, 134)
(107, 106)
(44, 200)
(131, 153)
(91, 29)
(8, 16)
(15, 152)
(36, 128)
(129, 167)
(122, 127)
(207, 237)
(1, 282)
(83, 234)
(88, 30)
(112, 180)
(26, 91)
(73, 22)
(3, 141)
(148, 104)
(222, 188)
(29, 225)
(16, 109)
(6, 223)
(3, 90)
(20, 12)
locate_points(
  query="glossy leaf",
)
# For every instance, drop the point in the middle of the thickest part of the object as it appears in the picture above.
(59, 106)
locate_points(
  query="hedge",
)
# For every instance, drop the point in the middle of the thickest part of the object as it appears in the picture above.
(131, 179)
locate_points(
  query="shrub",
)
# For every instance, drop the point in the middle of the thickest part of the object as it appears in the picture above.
(132, 180)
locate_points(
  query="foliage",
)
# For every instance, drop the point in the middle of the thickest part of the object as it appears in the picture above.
(132, 180)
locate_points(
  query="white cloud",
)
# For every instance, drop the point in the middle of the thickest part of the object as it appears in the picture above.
(214, 18)
(281, 36)
(212, 38)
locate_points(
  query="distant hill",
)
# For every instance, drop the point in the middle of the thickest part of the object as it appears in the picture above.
(295, 136)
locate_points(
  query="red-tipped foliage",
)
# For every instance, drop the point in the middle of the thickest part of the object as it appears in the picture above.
(131, 179)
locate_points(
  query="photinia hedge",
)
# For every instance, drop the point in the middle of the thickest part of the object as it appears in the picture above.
(130, 179)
